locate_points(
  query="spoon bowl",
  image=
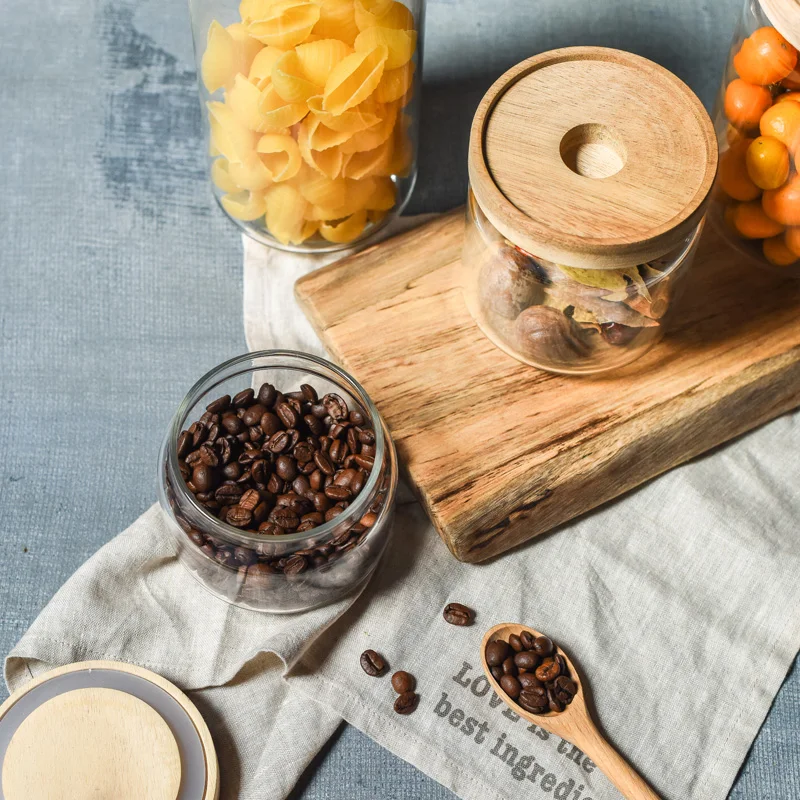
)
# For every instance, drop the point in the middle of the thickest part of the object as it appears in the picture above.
(574, 724)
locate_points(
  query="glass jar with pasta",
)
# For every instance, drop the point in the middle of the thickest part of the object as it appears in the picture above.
(757, 197)
(587, 199)
(311, 111)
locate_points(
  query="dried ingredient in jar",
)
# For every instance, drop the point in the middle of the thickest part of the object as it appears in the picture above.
(548, 335)
(508, 284)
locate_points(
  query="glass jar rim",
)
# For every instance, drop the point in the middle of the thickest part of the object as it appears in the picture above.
(215, 526)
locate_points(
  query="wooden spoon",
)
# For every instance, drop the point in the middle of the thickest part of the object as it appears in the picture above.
(574, 723)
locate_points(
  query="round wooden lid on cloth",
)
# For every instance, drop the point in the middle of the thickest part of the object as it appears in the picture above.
(104, 729)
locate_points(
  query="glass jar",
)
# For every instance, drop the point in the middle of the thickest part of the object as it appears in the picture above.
(590, 172)
(757, 197)
(268, 571)
(311, 110)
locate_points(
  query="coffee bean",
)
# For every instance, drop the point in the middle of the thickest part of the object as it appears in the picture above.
(497, 672)
(406, 703)
(285, 518)
(565, 689)
(509, 667)
(542, 645)
(335, 406)
(239, 517)
(253, 415)
(219, 405)
(303, 452)
(403, 682)
(184, 444)
(529, 681)
(335, 492)
(203, 478)
(279, 442)
(286, 468)
(532, 703)
(232, 424)
(295, 564)
(497, 652)
(288, 416)
(372, 663)
(228, 493)
(323, 462)
(511, 686)
(526, 660)
(267, 394)
(455, 613)
(208, 455)
(244, 555)
(244, 398)
(250, 499)
(356, 417)
(548, 671)
(553, 702)
(527, 639)
(338, 451)
(516, 643)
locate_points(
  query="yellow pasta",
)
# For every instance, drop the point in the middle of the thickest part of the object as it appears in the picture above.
(384, 195)
(375, 136)
(252, 10)
(247, 46)
(288, 23)
(276, 113)
(356, 119)
(251, 174)
(243, 99)
(369, 163)
(228, 135)
(245, 206)
(319, 190)
(383, 13)
(337, 20)
(321, 137)
(357, 194)
(395, 83)
(285, 213)
(261, 68)
(317, 59)
(222, 177)
(221, 60)
(326, 162)
(400, 45)
(280, 155)
(353, 80)
(345, 231)
(290, 80)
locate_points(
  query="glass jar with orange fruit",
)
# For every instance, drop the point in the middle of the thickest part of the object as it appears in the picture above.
(757, 194)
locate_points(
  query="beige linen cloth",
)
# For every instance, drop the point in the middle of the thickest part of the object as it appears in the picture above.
(680, 602)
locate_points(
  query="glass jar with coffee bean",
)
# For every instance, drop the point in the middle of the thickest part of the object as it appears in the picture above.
(278, 477)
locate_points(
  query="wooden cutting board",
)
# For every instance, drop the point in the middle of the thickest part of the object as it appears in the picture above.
(499, 452)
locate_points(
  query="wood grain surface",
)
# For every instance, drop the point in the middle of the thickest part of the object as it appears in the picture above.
(499, 452)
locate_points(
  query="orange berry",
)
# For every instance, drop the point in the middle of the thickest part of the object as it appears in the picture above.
(765, 57)
(792, 239)
(733, 177)
(745, 103)
(782, 122)
(783, 205)
(768, 162)
(776, 252)
(751, 222)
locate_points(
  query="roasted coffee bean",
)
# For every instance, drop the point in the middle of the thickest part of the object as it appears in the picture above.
(303, 452)
(258, 471)
(219, 405)
(368, 520)
(314, 424)
(338, 430)
(527, 639)
(565, 689)
(356, 417)
(184, 444)
(225, 450)
(511, 686)
(553, 702)
(529, 681)
(526, 660)
(232, 424)
(314, 517)
(335, 406)
(267, 394)
(186, 473)
(244, 555)
(548, 671)
(454, 613)
(372, 663)
(358, 482)
(288, 415)
(269, 424)
(250, 499)
(279, 442)
(321, 502)
(366, 436)
(335, 492)
(208, 455)
(203, 478)
(543, 645)
(403, 682)
(309, 393)
(344, 477)
(509, 667)
(253, 415)
(368, 451)
(295, 564)
(323, 462)
(353, 444)
(497, 672)
(270, 529)
(533, 703)
(516, 643)
(244, 398)
(301, 486)
(239, 517)
(338, 451)
(332, 513)
(228, 493)
(285, 518)
(286, 468)
(194, 458)
(274, 484)
(406, 703)
(317, 479)
(364, 462)
(497, 652)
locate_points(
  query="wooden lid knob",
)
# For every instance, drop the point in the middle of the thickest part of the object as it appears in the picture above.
(592, 157)
(785, 16)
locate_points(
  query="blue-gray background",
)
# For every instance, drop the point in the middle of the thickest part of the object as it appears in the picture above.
(121, 283)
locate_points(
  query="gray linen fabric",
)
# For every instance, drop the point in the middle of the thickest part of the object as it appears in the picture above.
(121, 283)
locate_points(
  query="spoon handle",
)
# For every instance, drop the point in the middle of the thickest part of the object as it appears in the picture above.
(630, 784)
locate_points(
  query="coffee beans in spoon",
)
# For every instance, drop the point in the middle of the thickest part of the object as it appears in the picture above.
(532, 672)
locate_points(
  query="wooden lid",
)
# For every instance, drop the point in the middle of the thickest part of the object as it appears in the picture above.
(104, 729)
(785, 16)
(592, 157)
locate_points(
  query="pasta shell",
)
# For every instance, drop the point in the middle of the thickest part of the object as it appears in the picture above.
(276, 113)
(321, 137)
(384, 196)
(375, 136)
(354, 120)
(243, 101)
(247, 46)
(353, 80)
(357, 195)
(285, 213)
(246, 206)
(326, 162)
(395, 83)
(290, 81)
(221, 60)
(318, 59)
(345, 231)
(289, 24)
(400, 45)
(383, 13)
(228, 134)
(337, 21)
(252, 10)
(261, 68)
(321, 191)
(370, 163)
(222, 177)
(251, 174)
(280, 155)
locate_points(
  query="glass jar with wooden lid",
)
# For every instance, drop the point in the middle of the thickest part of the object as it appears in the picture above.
(757, 198)
(590, 171)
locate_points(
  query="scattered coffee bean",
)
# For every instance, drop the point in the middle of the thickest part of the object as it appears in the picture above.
(372, 663)
(403, 682)
(406, 703)
(458, 614)
(532, 672)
